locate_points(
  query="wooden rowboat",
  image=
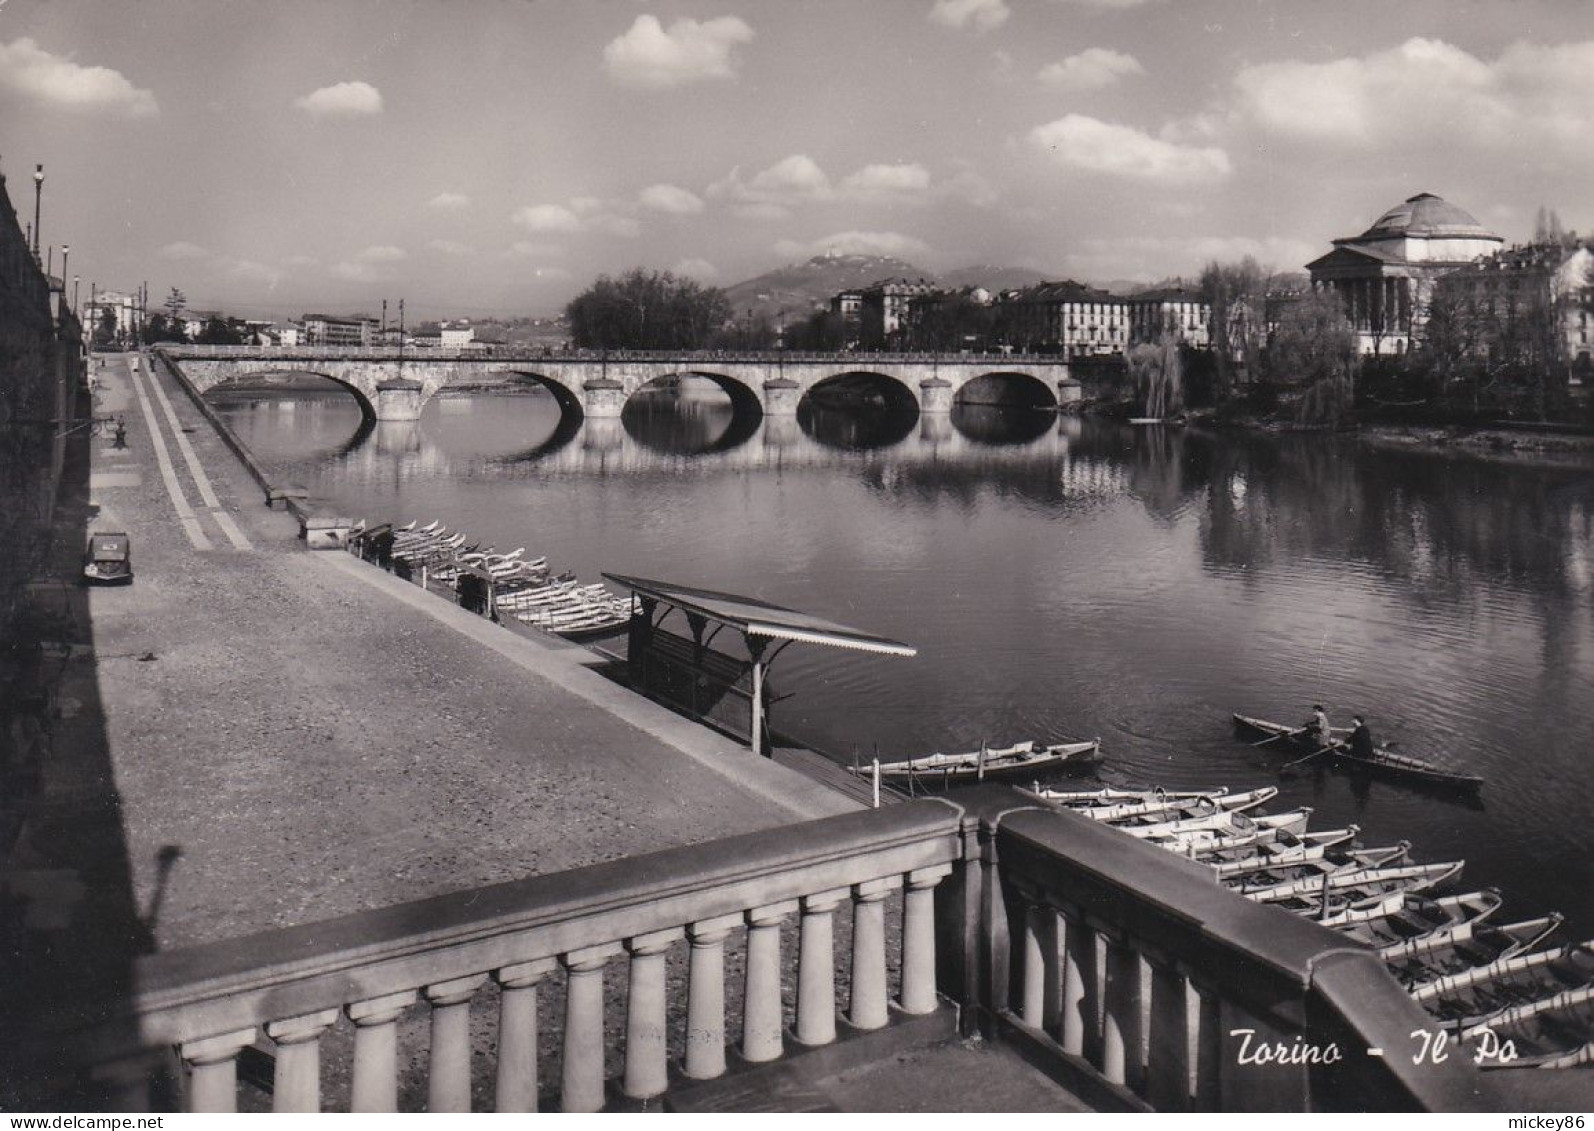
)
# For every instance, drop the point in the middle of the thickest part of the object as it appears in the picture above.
(1552, 1032)
(1472, 997)
(1281, 849)
(1021, 757)
(1385, 764)
(1404, 916)
(1173, 808)
(1421, 961)
(1351, 886)
(1262, 872)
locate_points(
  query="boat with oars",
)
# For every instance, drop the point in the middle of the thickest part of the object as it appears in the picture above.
(1419, 962)
(1551, 1032)
(1469, 998)
(1385, 763)
(1025, 757)
(1165, 807)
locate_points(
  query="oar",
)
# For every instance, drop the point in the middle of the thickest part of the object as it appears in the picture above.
(1308, 758)
(1279, 735)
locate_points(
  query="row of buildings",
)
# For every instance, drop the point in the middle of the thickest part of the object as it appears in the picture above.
(124, 316)
(1422, 252)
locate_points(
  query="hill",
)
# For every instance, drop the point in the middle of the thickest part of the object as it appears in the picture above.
(798, 288)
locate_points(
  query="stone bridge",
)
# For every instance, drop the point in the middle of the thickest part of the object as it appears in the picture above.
(395, 384)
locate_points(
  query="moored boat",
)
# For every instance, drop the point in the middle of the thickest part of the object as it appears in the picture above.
(1404, 916)
(1262, 871)
(1173, 808)
(1352, 886)
(1021, 757)
(1385, 763)
(1472, 997)
(1421, 961)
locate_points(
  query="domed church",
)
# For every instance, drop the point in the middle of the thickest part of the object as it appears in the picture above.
(1386, 275)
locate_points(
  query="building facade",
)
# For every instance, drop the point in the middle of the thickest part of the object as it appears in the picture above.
(1521, 289)
(1066, 318)
(325, 330)
(1386, 275)
(1171, 312)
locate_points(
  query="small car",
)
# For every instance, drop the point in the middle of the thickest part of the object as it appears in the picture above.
(109, 558)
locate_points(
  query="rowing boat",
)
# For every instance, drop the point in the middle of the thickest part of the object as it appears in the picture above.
(1107, 795)
(1404, 916)
(1385, 762)
(1215, 824)
(1350, 886)
(1021, 757)
(1172, 808)
(1472, 997)
(1421, 961)
(1281, 849)
(1551, 1032)
(1260, 871)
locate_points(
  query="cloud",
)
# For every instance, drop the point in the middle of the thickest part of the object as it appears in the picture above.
(342, 100)
(450, 247)
(855, 243)
(671, 199)
(1156, 257)
(34, 73)
(183, 250)
(982, 15)
(449, 201)
(1091, 69)
(700, 269)
(1106, 5)
(876, 182)
(530, 249)
(369, 266)
(250, 271)
(1075, 141)
(547, 218)
(771, 194)
(382, 253)
(650, 57)
(1427, 92)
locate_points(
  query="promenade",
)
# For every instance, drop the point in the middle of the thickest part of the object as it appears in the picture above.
(291, 736)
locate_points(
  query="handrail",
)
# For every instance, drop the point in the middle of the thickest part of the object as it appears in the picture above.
(519, 353)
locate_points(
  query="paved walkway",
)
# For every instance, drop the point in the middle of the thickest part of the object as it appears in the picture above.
(297, 735)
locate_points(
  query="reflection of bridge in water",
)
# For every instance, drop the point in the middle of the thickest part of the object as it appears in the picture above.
(395, 384)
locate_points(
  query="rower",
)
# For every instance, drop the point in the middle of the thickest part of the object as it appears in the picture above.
(1317, 726)
(1361, 740)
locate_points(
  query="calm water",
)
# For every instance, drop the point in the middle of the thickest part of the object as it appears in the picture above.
(1066, 577)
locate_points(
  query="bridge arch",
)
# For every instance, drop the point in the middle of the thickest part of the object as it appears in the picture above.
(234, 377)
(566, 398)
(859, 409)
(864, 387)
(682, 431)
(1006, 389)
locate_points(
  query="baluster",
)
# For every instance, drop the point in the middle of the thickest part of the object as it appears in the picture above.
(761, 1021)
(646, 1053)
(448, 1071)
(213, 1076)
(1168, 1051)
(1079, 986)
(296, 1081)
(1209, 1049)
(816, 968)
(517, 1034)
(1120, 1058)
(870, 1009)
(705, 997)
(581, 1088)
(918, 939)
(1032, 1004)
(375, 1084)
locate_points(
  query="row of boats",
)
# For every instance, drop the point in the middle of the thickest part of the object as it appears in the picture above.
(497, 584)
(1509, 990)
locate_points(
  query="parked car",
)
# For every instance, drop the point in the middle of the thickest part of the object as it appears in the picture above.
(109, 558)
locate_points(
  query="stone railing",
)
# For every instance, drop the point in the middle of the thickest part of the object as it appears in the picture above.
(1126, 973)
(292, 987)
(179, 351)
(1140, 982)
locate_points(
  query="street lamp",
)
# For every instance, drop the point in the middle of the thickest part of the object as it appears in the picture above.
(74, 292)
(38, 192)
(66, 250)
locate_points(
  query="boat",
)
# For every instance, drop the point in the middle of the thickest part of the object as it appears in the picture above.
(1404, 916)
(1352, 886)
(1472, 997)
(1551, 1032)
(1170, 808)
(1021, 757)
(1107, 795)
(1385, 763)
(1279, 849)
(1213, 824)
(1421, 961)
(1262, 871)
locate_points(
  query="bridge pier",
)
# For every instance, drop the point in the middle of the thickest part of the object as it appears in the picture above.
(1069, 391)
(935, 427)
(935, 395)
(399, 399)
(781, 395)
(602, 397)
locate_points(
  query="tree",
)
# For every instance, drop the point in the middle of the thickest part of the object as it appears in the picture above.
(1315, 346)
(217, 332)
(1235, 294)
(174, 304)
(1158, 374)
(647, 310)
(105, 332)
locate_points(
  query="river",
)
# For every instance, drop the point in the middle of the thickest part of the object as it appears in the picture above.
(1071, 577)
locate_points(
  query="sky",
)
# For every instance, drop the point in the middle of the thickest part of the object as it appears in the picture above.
(492, 157)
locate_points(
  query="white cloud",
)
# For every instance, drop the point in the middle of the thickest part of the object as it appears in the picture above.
(772, 193)
(700, 269)
(855, 243)
(530, 249)
(982, 15)
(449, 201)
(969, 184)
(342, 100)
(33, 72)
(671, 199)
(183, 250)
(650, 57)
(875, 182)
(382, 253)
(1156, 257)
(356, 272)
(1075, 141)
(1091, 69)
(369, 266)
(1427, 92)
(450, 247)
(1107, 5)
(250, 271)
(547, 218)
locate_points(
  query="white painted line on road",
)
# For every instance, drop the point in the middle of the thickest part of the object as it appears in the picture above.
(185, 513)
(201, 480)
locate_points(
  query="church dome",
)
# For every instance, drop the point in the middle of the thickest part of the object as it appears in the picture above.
(1427, 215)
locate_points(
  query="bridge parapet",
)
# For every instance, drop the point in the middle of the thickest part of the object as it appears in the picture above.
(843, 360)
(968, 875)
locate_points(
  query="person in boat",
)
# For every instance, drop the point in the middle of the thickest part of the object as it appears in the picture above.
(1361, 740)
(1317, 728)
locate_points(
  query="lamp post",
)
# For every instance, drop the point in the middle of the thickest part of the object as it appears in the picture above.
(66, 250)
(74, 292)
(38, 193)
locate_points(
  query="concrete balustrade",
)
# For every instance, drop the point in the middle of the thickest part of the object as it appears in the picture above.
(1089, 948)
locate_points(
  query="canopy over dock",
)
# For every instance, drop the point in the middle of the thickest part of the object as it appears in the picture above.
(655, 655)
